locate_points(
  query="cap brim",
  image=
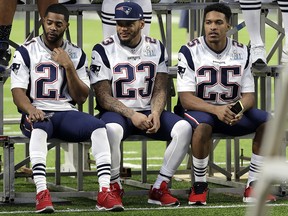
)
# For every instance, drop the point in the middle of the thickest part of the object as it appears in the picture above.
(128, 19)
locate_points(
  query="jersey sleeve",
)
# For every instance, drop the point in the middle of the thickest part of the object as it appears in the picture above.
(20, 71)
(185, 74)
(82, 69)
(100, 67)
(163, 61)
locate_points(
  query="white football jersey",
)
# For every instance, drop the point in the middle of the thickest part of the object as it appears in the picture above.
(132, 71)
(33, 69)
(217, 78)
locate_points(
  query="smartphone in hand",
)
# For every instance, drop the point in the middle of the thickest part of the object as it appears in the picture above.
(237, 107)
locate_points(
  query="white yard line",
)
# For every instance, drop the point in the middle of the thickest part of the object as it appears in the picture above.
(149, 209)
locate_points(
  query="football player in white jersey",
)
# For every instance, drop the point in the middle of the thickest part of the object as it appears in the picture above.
(107, 15)
(214, 73)
(251, 10)
(7, 11)
(129, 75)
(49, 78)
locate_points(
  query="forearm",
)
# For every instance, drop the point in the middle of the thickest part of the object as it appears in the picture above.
(159, 97)
(22, 101)
(248, 101)
(108, 102)
(111, 104)
(158, 102)
(191, 102)
(78, 90)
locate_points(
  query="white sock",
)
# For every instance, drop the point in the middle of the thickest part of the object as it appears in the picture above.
(255, 166)
(38, 153)
(159, 180)
(251, 11)
(115, 134)
(200, 169)
(102, 156)
(117, 180)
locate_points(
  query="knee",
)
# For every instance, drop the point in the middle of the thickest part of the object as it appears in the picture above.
(115, 133)
(203, 131)
(182, 129)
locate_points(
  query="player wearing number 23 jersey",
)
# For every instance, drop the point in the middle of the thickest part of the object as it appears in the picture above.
(129, 75)
(129, 69)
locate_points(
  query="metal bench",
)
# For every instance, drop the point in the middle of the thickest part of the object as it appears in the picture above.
(8, 174)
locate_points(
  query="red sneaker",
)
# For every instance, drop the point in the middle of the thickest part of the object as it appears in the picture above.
(43, 202)
(108, 201)
(248, 198)
(115, 188)
(162, 196)
(198, 194)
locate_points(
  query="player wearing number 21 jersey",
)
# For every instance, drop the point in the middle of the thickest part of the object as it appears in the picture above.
(217, 78)
(45, 79)
(49, 77)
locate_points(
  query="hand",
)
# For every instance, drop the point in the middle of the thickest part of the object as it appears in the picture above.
(141, 121)
(155, 120)
(224, 114)
(236, 119)
(61, 57)
(35, 115)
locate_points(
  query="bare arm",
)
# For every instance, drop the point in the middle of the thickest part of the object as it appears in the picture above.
(105, 98)
(158, 101)
(23, 103)
(107, 101)
(78, 90)
(190, 102)
(248, 100)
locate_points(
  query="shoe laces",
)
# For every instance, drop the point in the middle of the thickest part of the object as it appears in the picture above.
(108, 194)
(43, 196)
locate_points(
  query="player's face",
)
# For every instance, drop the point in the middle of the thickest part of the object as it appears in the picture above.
(216, 26)
(129, 32)
(54, 27)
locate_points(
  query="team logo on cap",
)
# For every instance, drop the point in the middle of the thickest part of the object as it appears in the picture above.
(125, 9)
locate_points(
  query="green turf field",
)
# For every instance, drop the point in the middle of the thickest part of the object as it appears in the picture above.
(218, 203)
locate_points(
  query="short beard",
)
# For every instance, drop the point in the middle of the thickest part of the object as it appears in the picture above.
(56, 39)
(127, 42)
(124, 42)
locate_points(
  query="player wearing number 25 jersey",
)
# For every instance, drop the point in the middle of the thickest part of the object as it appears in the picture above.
(217, 78)
(214, 72)
(129, 75)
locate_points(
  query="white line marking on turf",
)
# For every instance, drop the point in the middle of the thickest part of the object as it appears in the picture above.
(149, 209)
